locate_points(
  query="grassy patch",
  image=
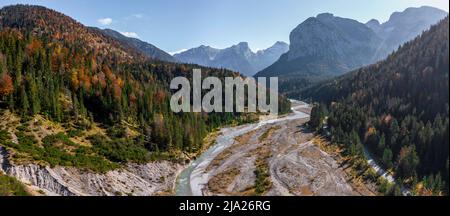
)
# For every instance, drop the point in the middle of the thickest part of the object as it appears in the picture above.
(59, 150)
(267, 133)
(120, 150)
(56, 150)
(262, 182)
(10, 186)
(75, 133)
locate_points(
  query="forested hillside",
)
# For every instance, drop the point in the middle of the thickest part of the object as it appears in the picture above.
(72, 96)
(397, 108)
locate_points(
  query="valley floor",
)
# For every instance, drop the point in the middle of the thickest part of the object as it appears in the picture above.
(277, 158)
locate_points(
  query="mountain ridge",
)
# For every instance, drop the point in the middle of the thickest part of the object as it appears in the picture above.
(324, 46)
(238, 57)
(406, 25)
(146, 48)
(42, 21)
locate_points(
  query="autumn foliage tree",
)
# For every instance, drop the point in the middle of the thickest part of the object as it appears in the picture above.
(6, 85)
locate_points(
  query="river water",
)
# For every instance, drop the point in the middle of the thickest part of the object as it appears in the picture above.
(193, 179)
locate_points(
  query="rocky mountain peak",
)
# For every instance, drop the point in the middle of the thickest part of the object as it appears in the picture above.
(406, 25)
(280, 44)
(325, 16)
(238, 57)
(373, 22)
(328, 35)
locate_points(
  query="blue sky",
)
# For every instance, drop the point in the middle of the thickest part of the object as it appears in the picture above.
(173, 25)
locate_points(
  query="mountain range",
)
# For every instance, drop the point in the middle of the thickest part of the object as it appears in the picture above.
(326, 45)
(405, 26)
(238, 58)
(142, 46)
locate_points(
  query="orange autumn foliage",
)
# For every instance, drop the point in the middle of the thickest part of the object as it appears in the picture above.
(160, 95)
(133, 98)
(34, 46)
(6, 85)
(117, 91)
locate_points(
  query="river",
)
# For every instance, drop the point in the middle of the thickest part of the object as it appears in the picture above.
(193, 179)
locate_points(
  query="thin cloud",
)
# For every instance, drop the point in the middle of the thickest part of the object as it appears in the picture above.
(178, 52)
(105, 21)
(134, 16)
(130, 34)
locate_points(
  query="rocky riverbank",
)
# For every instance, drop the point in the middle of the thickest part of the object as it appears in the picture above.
(156, 178)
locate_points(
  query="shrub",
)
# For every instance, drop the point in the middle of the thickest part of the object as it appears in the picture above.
(120, 150)
(10, 186)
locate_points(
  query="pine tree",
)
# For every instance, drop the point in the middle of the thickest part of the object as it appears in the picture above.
(25, 104)
(387, 158)
(381, 145)
(407, 162)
